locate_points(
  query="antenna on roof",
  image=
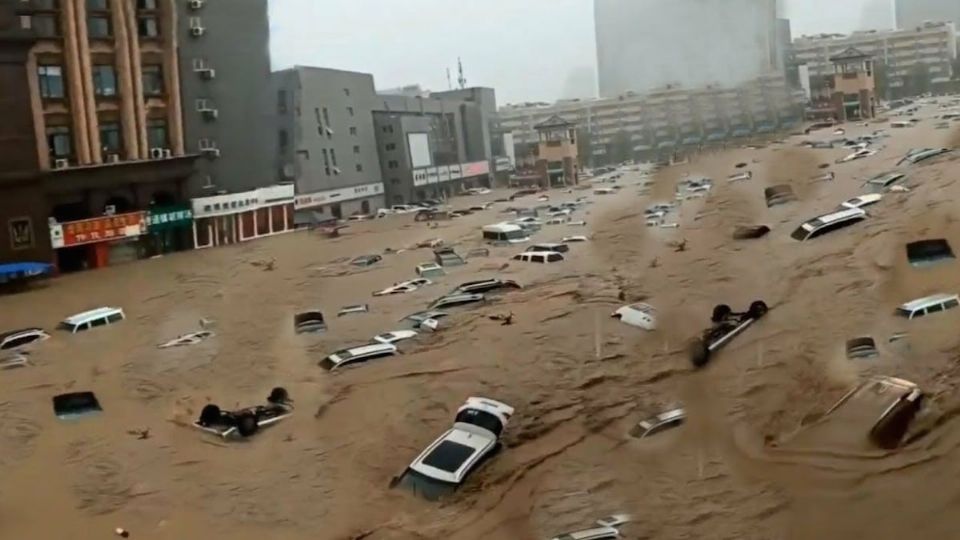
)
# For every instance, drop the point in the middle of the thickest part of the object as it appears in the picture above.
(461, 80)
(449, 82)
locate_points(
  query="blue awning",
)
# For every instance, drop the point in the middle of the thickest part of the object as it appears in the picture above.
(23, 270)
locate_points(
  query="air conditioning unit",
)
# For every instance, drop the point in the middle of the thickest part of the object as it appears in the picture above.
(109, 210)
(336, 170)
(195, 4)
(211, 152)
(113, 158)
(207, 73)
(61, 164)
(167, 153)
(156, 153)
(197, 31)
(210, 113)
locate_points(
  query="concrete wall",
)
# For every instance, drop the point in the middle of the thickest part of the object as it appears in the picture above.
(236, 45)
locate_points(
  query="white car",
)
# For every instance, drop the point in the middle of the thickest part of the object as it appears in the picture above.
(404, 287)
(527, 221)
(604, 191)
(187, 339)
(397, 335)
(21, 338)
(575, 238)
(539, 257)
(355, 355)
(859, 154)
(446, 463)
(478, 191)
(430, 269)
(660, 422)
(605, 528)
(861, 201)
(639, 315)
(559, 220)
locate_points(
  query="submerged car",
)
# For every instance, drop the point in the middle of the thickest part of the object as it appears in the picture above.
(404, 287)
(366, 260)
(457, 299)
(395, 336)
(922, 253)
(485, 285)
(445, 464)
(17, 339)
(898, 402)
(639, 315)
(827, 223)
(309, 321)
(247, 421)
(727, 324)
(779, 194)
(356, 355)
(922, 154)
(192, 338)
(884, 182)
(661, 422)
(861, 201)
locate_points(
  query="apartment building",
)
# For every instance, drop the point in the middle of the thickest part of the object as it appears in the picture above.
(93, 140)
(642, 125)
(224, 78)
(912, 60)
(914, 13)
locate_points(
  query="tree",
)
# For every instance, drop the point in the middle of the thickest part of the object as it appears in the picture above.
(620, 148)
(917, 81)
(881, 79)
(585, 146)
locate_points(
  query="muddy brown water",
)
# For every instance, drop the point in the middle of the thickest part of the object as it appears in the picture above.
(578, 379)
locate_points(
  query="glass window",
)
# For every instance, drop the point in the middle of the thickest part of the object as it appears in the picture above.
(45, 25)
(157, 133)
(98, 322)
(147, 27)
(333, 157)
(282, 136)
(153, 80)
(51, 82)
(359, 167)
(282, 101)
(346, 91)
(353, 130)
(935, 308)
(350, 111)
(326, 117)
(104, 81)
(950, 304)
(58, 139)
(110, 138)
(146, 4)
(356, 149)
(98, 27)
(97, 5)
(116, 317)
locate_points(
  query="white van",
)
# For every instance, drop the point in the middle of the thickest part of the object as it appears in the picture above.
(505, 233)
(541, 257)
(91, 319)
(928, 305)
(828, 222)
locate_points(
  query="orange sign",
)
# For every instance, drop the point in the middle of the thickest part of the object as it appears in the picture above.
(101, 229)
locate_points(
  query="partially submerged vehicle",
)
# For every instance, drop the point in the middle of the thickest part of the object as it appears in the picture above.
(75, 405)
(605, 528)
(861, 347)
(404, 287)
(92, 319)
(661, 422)
(898, 400)
(779, 194)
(457, 299)
(922, 253)
(486, 285)
(245, 422)
(395, 336)
(884, 182)
(928, 305)
(921, 154)
(750, 232)
(505, 233)
(727, 324)
(575, 238)
(354, 308)
(858, 154)
(192, 338)
(18, 339)
(861, 201)
(745, 175)
(309, 321)
(357, 355)
(430, 270)
(639, 315)
(366, 260)
(447, 462)
(446, 256)
(821, 225)
(419, 318)
(547, 246)
(541, 257)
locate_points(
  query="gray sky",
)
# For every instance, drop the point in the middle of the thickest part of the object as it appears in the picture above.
(525, 49)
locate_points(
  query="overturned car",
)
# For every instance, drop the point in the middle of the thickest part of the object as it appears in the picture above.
(727, 324)
(242, 423)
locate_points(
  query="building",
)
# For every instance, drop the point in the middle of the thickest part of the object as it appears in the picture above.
(850, 93)
(232, 218)
(908, 61)
(643, 45)
(555, 160)
(914, 13)
(224, 75)
(93, 162)
(645, 126)
(326, 141)
(350, 150)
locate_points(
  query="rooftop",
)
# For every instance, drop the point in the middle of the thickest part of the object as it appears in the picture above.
(926, 300)
(554, 121)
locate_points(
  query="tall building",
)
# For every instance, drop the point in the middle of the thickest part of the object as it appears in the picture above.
(92, 137)
(909, 61)
(224, 78)
(913, 13)
(643, 45)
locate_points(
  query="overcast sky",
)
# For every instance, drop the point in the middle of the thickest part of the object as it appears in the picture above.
(501, 42)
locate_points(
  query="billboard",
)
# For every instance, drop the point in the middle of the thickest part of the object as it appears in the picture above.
(419, 145)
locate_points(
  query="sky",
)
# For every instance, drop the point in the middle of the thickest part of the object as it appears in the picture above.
(528, 50)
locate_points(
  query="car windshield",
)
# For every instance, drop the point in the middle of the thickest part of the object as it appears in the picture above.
(903, 312)
(67, 326)
(424, 486)
(800, 233)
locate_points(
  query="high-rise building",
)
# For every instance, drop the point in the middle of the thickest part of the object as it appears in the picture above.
(224, 77)
(643, 45)
(913, 13)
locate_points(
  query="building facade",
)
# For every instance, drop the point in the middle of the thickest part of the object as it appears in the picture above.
(224, 77)
(641, 126)
(94, 140)
(914, 13)
(643, 45)
(909, 61)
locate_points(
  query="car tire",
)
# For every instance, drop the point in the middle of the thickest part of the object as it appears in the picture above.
(720, 312)
(209, 415)
(247, 424)
(278, 395)
(758, 308)
(699, 353)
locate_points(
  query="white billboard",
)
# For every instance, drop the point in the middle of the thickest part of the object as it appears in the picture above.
(419, 145)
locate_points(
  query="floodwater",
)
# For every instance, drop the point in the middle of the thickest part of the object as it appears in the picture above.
(750, 463)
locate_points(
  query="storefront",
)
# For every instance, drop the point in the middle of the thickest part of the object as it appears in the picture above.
(102, 241)
(322, 206)
(170, 228)
(448, 180)
(229, 219)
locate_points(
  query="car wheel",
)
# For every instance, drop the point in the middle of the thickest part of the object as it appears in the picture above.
(699, 353)
(278, 395)
(758, 308)
(247, 424)
(209, 415)
(720, 312)
(890, 429)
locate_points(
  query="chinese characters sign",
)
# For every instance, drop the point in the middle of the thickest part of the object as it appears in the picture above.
(169, 217)
(101, 229)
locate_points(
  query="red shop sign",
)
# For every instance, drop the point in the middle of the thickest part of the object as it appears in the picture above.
(101, 229)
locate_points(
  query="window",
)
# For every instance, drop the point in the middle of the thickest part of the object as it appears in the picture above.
(58, 139)
(350, 111)
(359, 167)
(146, 4)
(152, 80)
(282, 101)
(326, 117)
(333, 157)
(147, 27)
(97, 5)
(43, 25)
(46, 5)
(395, 181)
(346, 91)
(157, 133)
(356, 149)
(326, 162)
(104, 81)
(950, 304)
(115, 317)
(390, 146)
(448, 456)
(353, 130)
(110, 138)
(51, 82)
(282, 137)
(98, 27)
(388, 129)
(98, 322)
(393, 164)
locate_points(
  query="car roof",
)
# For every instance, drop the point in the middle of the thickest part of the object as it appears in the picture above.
(476, 441)
(594, 533)
(866, 197)
(369, 348)
(399, 333)
(97, 313)
(833, 217)
(919, 303)
(22, 331)
(671, 415)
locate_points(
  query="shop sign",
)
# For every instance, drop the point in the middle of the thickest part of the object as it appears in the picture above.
(169, 217)
(476, 168)
(320, 198)
(101, 229)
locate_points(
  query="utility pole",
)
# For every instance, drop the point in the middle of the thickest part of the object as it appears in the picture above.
(461, 80)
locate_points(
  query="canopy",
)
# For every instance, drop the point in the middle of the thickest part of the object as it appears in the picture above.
(22, 270)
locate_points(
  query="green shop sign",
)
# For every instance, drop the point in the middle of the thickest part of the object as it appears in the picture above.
(164, 218)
